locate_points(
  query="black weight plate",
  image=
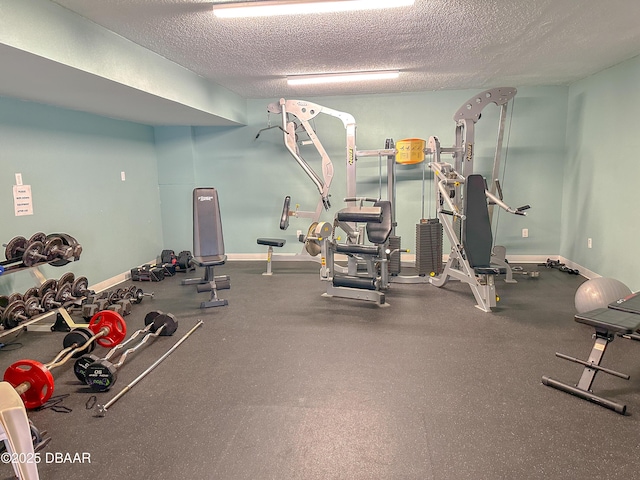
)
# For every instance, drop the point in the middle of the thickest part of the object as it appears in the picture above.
(50, 284)
(101, 375)
(64, 293)
(80, 287)
(11, 315)
(81, 364)
(38, 237)
(66, 240)
(76, 338)
(68, 277)
(113, 297)
(32, 306)
(138, 296)
(32, 292)
(4, 301)
(150, 317)
(92, 345)
(31, 255)
(52, 248)
(48, 300)
(14, 297)
(169, 321)
(15, 247)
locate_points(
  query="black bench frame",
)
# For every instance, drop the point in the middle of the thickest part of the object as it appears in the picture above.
(607, 323)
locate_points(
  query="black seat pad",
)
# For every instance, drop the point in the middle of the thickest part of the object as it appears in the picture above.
(272, 242)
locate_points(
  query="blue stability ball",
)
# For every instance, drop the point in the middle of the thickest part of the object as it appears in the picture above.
(598, 293)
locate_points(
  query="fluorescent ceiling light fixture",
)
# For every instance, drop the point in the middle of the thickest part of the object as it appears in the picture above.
(341, 77)
(264, 8)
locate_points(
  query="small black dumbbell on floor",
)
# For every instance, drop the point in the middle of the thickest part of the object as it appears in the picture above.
(102, 374)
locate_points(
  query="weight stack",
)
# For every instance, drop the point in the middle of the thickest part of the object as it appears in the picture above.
(394, 258)
(429, 247)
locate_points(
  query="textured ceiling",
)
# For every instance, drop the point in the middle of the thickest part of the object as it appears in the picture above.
(437, 44)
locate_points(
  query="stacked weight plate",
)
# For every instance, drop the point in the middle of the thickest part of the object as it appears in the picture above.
(394, 258)
(429, 247)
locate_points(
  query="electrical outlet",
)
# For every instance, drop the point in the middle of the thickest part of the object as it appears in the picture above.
(123, 176)
(525, 232)
(589, 243)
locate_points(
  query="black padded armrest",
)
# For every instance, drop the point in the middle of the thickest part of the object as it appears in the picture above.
(610, 320)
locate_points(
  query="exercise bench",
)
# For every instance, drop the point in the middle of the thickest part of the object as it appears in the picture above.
(208, 246)
(271, 242)
(620, 318)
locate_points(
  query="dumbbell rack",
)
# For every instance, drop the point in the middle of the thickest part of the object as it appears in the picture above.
(63, 323)
(40, 249)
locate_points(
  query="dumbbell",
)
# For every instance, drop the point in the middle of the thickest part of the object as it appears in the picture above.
(58, 298)
(18, 245)
(81, 364)
(33, 380)
(48, 285)
(136, 294)
(67, 240)
(53, 248)
(102, 374)
(20, 310)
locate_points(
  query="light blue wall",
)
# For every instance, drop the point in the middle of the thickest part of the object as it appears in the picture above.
(73, 162)
(253, 176)
(602, 167)
(47, 30)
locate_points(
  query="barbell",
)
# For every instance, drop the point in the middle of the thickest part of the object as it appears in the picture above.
(151, 325)
(33, 380)
(102, 374)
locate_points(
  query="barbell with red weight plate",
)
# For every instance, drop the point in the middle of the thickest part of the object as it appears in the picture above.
(82, 363)
(33, 380)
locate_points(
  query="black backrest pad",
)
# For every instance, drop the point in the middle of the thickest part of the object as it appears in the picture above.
(476, 232)
(379, 232)
(207, 225)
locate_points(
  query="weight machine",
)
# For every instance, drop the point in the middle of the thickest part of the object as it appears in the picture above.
(465, 202)
(467, 225)
(298, 114)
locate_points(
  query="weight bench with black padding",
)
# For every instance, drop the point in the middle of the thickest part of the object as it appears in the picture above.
(607, 323)
(208, 245)
(378, 228)
(271, 242)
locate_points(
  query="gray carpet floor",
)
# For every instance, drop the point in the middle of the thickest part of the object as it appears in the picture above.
(284, 383)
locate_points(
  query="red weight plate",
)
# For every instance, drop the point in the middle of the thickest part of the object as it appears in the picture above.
(37, 375)
(114, 322)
